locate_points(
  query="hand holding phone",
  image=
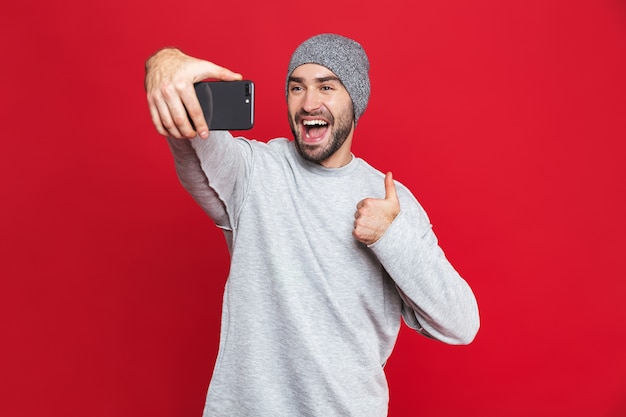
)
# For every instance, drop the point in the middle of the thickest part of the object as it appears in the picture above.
(167, 102)
(226, 105)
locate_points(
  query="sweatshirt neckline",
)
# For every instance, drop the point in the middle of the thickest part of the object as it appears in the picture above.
(320, 169)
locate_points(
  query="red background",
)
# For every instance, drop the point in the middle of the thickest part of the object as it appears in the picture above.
(506, 119)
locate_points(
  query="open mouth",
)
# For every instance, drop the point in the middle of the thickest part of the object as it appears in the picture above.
(314, 129)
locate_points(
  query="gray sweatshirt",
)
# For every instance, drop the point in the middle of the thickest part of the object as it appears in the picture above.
(310, 315)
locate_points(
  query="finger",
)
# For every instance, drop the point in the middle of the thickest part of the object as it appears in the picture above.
(165, 116)
(161, 117)
(193, 111)
(156, 119)
(174, 114)
(224, 74)
(390, 188)
(200, 69)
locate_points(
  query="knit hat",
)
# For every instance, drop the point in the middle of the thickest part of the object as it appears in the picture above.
(344, 57)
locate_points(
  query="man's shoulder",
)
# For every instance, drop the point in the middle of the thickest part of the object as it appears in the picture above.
(273, 152)
(367, 171)
(275, 145)
(279, 144)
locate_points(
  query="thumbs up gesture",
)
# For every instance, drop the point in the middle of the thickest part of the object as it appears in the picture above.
(374, 215)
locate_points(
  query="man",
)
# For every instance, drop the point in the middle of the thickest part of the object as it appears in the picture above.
(327, 253)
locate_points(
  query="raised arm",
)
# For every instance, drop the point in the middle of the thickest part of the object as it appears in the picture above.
(213, 171)
(438, 302)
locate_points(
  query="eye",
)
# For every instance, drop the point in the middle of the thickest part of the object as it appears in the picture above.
(295, 88)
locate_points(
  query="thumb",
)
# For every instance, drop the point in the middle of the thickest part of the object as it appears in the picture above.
(390, 187)
(225, 74)
(208, 70)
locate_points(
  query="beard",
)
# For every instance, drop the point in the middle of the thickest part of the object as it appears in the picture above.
(340, 130)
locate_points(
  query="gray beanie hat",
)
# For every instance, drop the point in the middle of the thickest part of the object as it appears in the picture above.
(345, 58)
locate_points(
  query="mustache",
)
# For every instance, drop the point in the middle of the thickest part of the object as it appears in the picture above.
(317, 113)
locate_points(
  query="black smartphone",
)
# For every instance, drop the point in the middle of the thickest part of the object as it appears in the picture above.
(227, 105)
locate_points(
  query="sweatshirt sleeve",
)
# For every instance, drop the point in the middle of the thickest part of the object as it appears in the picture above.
(214, 171)
(438, 302)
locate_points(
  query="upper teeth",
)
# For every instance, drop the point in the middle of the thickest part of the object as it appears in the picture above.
(313, 122)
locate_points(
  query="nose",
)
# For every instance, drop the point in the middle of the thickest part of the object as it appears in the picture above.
(312, 101)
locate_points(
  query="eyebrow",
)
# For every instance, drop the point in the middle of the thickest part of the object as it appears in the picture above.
(319, 80)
